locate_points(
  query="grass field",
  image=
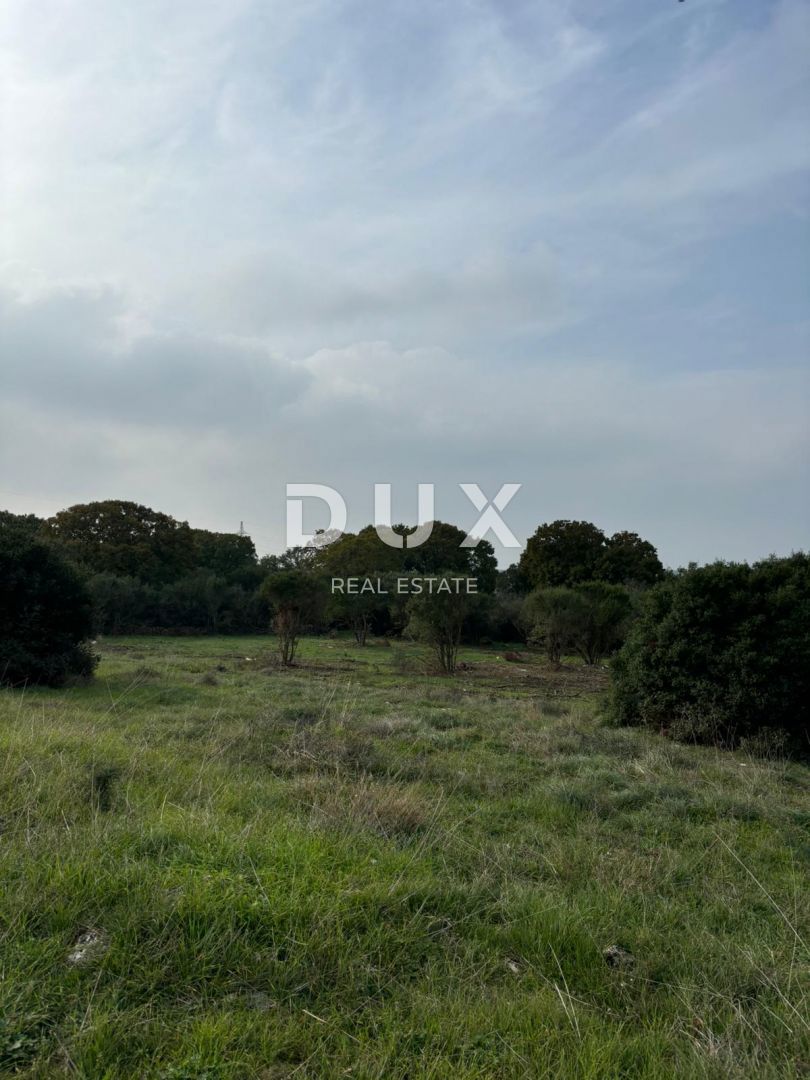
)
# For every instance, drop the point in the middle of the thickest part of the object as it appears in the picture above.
(212, 868)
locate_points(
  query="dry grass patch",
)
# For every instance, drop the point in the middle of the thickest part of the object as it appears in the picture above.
(391, 809)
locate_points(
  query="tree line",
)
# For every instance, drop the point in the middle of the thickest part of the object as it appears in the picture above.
(718, 653)
(147, 572)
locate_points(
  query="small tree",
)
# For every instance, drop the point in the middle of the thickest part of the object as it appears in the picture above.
(46, 614)
(601, 616)
(551, 616)
(357, 611)
(296, 597)
(590, 619)
(438, 619)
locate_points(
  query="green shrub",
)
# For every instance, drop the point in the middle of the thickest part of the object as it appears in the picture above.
(721, 652)
(46, 613)
(590, 619)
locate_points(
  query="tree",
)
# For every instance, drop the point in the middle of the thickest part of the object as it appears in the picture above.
(602, 614)
(122, 605)
(357, 610)
(125, 538)
(296, 597)
(294, 558)
(570, 552)
(590, 619)
(504, 618)
(29, 523)
(45, 612)
(562, 553)
(629, 560)
(551, 615)
(194, 602)
(721, 652)
(438, 619)
(226, 555)
(365, 554)
(512, 582)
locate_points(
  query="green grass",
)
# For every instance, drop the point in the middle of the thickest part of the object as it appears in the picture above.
(358, 868)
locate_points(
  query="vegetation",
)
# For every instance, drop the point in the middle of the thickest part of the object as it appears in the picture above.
(296, 596)
(565, 553)
(45, 611)
(439, 620)
(589, 619)
(216, 867)
(721, 653)
(364, 554)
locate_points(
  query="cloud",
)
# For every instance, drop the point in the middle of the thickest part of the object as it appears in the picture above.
(561, 244)
(176, 412)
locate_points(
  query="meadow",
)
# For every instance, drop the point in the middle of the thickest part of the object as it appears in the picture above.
(212, 867)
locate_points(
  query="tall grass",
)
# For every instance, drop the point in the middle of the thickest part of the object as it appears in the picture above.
(343, 869)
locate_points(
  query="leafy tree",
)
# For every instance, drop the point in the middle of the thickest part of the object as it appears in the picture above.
(721, 652)
(512, 581)
(194, 602)
(505, 618)
(365, 554)
(125, 538)
(602, 615)
(45, 612)
(629, 560)
(226, 555)
(359, 611)
(562, 553)
(294, 558)
(360, 554)
(483, 565)
(296, 597)
(122, 605)
(438, 619)
(29, 523)
(570, 552)
(590, 619)
(551, 615)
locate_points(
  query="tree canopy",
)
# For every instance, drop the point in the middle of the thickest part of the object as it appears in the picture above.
(364, 553)
(125, 538)
(45, 611)
(565, 553)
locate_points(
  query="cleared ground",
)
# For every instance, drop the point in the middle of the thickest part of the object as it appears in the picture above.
(213, 868)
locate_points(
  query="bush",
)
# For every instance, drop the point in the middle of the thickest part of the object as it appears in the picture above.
(46, 613)
(122, 605)
(590, 619)
(721, 653)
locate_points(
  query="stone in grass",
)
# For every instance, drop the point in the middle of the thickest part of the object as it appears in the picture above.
(89, 945)
(617, 957)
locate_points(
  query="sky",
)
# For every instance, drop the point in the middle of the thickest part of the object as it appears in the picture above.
(558, 243)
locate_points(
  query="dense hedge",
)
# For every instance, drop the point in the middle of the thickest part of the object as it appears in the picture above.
(721, 653)
(45, 613)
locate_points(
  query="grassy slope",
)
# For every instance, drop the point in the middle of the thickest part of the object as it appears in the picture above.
(354, 869)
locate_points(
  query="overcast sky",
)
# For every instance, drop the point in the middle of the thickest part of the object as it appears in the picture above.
(562, 243)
